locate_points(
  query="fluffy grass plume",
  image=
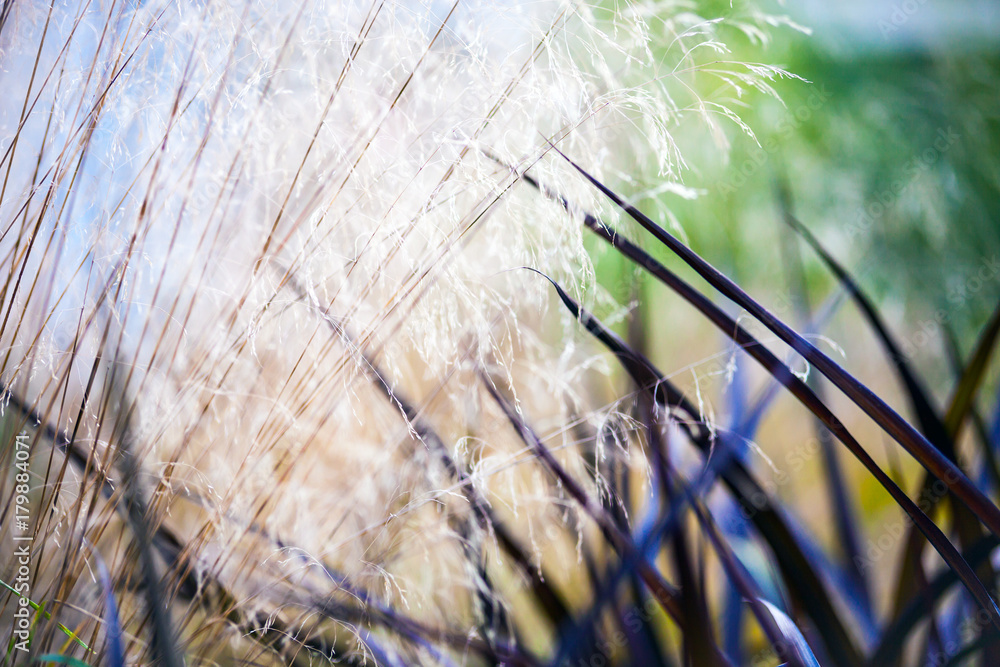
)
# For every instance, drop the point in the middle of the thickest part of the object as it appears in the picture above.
(299, 362)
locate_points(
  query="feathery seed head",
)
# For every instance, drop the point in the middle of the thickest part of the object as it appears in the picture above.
(274, 247)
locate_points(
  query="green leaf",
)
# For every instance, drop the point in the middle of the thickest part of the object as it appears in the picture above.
(39, 608)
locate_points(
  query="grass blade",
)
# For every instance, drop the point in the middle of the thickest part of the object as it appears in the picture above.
(843, 507)
(808, 398)
(665, 594)
(893, 638)
(890, 421)
(932, 425)
(784, 635)
(927, 416)
(972, 378)
(115, 650)
(961, 405)
(795, 637)
(795, 567)
(48, 616)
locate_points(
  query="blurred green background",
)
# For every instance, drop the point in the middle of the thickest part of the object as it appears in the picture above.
(890, 151)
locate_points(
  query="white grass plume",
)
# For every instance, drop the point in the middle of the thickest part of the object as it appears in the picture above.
(268, 244)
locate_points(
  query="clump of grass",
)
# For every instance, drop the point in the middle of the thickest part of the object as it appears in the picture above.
(974, 513)
(266, 326)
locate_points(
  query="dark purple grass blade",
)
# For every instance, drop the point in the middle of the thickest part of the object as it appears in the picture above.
(961, 405)
(785, 645)
(806, 396)
(789, 646)
(646, 644)
(995, 428)
(894, 637)
(664, 593)
(797, 570)
(419, 633)
(915, 443)
(795, 637)
(845, 512)
(699, 643)
(931, 423)
(989, 437)
(114, 651)
(164, 645)
(547, 598)
(972, 378)
(732, 624)
(926, 414)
